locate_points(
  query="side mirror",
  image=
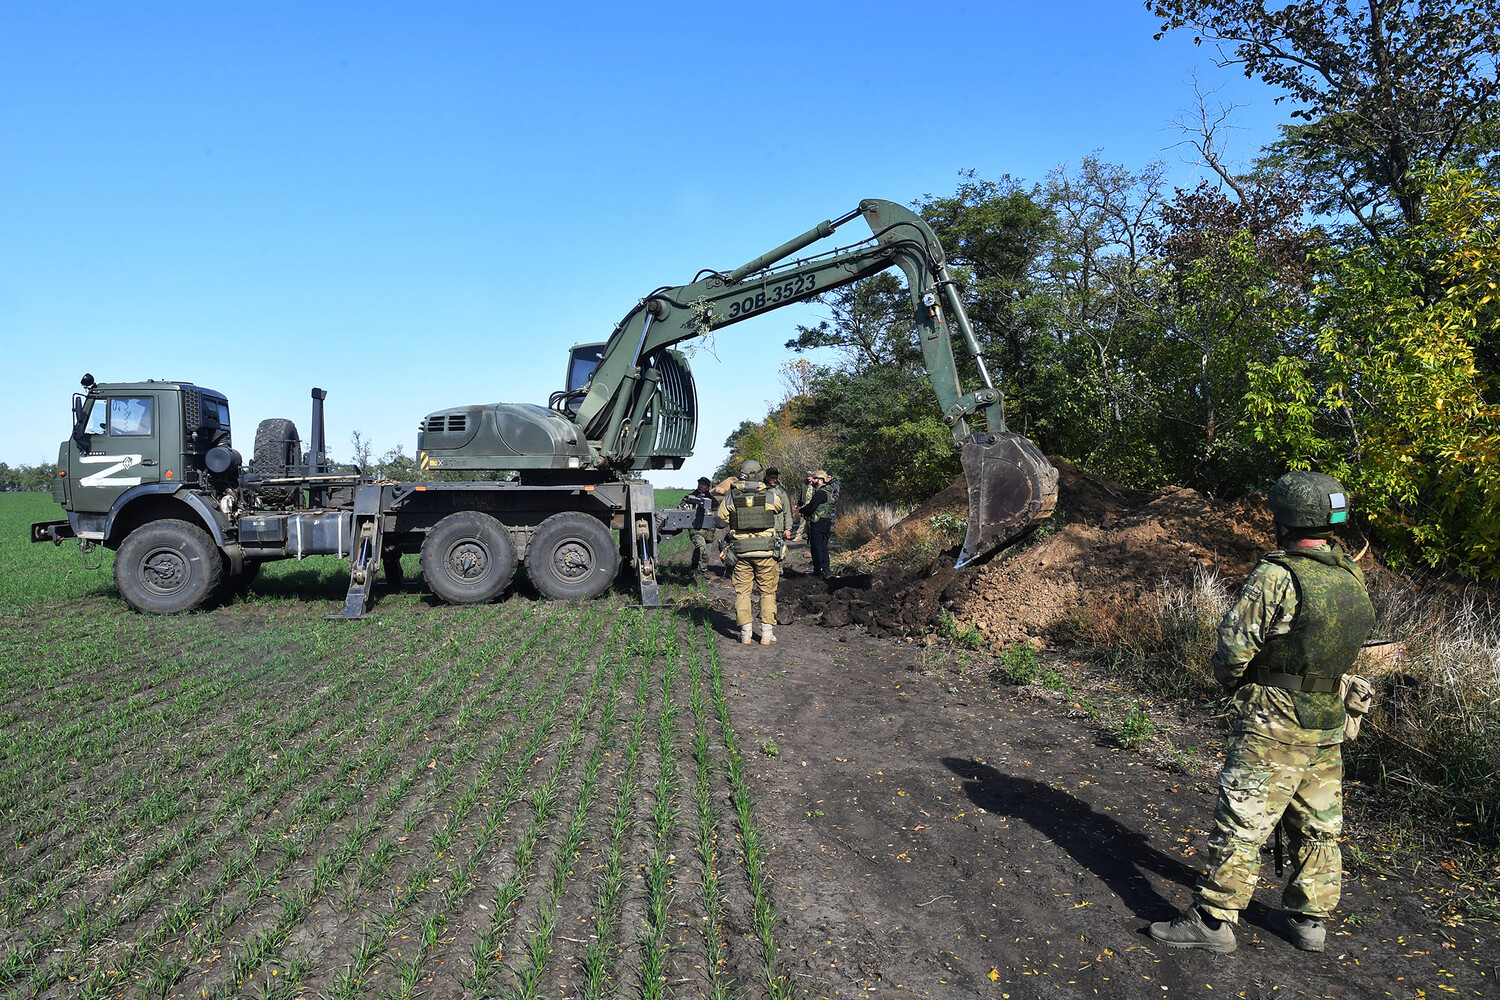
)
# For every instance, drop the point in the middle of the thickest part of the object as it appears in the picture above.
(80, 415)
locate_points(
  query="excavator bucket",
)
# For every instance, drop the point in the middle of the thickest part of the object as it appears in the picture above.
(1011, 487)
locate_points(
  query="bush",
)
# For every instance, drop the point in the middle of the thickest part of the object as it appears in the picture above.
(1018, 664)
(951, 528)
(964, 636)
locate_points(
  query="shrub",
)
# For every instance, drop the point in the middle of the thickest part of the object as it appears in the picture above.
(1018, 664)
(951, 528)
(1135, 728)
(917, 548)
(965, 636)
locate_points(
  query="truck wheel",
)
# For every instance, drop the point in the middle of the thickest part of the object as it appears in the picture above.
(468, 558)
(277, 448)
(168, 566)
(572, 557)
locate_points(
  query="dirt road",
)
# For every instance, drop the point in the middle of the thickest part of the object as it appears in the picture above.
(943, 836)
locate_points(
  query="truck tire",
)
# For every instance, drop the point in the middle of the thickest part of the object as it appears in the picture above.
(572, 557)
(468, 558)
(166, 567)
(278, 447)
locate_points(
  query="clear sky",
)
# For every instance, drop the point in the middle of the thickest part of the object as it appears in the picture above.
(418, 206)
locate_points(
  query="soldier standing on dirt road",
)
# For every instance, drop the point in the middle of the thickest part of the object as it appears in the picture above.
(820, 510)
(1294, 630)
(752, 550)
(803, 524)
(702, 531)
(784, 518)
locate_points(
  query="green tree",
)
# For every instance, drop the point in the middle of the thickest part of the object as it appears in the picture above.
(1390, 399)
(1380, 87)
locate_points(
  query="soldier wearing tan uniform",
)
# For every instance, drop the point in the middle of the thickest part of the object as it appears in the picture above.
(752, 549)
(1294, 630)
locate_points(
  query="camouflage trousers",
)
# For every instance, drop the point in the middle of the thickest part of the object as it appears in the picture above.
(760, 571)
(702, 549)
(1262, 780)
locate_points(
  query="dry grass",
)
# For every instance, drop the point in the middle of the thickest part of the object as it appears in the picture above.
(860, 522)
(1433, 736)
(1435, 727)
(1161, 644)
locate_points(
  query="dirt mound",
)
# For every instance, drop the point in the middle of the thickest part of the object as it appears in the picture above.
(1104, 539)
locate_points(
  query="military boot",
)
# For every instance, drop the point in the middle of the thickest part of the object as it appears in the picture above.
(767, 635)
(1190, 929)
(747, 633)
(1304, 931)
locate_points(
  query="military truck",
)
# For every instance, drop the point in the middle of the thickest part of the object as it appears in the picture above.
(150, 469)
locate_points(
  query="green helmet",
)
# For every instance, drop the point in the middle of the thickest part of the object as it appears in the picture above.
(1308, 500)
(750, 469)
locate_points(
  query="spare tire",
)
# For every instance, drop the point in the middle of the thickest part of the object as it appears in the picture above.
(278, 448)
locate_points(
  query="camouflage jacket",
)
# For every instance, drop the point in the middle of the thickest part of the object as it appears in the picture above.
(784, 515)
(1265, 607)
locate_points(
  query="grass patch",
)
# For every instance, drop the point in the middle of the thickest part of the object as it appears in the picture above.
(255, 800)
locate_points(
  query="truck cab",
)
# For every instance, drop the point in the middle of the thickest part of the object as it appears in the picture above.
(133, 440)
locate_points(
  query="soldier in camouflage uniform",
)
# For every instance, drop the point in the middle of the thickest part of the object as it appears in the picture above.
(1294, 630)
(783, 525)
(753, 547)
(702, 531)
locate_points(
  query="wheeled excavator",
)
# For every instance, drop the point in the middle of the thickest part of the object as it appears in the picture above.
(630, 404)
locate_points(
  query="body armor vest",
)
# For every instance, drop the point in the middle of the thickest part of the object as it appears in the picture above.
(1334, 617)
(750, 515)
(828, 509)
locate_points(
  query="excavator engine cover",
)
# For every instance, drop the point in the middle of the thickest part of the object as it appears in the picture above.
(1011, 487)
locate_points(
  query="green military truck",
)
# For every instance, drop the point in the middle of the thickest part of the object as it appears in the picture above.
(150, 469)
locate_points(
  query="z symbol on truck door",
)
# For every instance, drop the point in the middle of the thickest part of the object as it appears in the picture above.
(106, 477)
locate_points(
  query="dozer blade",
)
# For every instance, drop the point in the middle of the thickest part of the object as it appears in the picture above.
(1011, 487)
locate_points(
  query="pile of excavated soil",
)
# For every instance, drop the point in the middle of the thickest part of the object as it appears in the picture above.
(1105, 541)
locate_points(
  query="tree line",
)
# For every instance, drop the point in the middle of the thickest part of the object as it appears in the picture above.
(26, 477)
(1330, 305)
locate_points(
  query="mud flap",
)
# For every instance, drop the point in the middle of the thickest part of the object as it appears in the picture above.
(1011, 487)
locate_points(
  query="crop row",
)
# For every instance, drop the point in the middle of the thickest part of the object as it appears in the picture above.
(518, 799)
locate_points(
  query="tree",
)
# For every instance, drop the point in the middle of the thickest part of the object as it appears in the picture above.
(362, 447)
(1390, 399)
(995, 233)
(27, 478)
(1381, 87)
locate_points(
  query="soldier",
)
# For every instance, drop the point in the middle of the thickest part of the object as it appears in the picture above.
(783, 519)
(702, 531)
(751, 512)
(1294, 630)
(820, 510)
(807, 491)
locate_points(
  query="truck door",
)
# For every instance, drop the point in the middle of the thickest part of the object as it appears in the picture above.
(116, 445)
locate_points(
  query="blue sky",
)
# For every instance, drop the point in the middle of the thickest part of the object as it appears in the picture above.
(417, 206)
